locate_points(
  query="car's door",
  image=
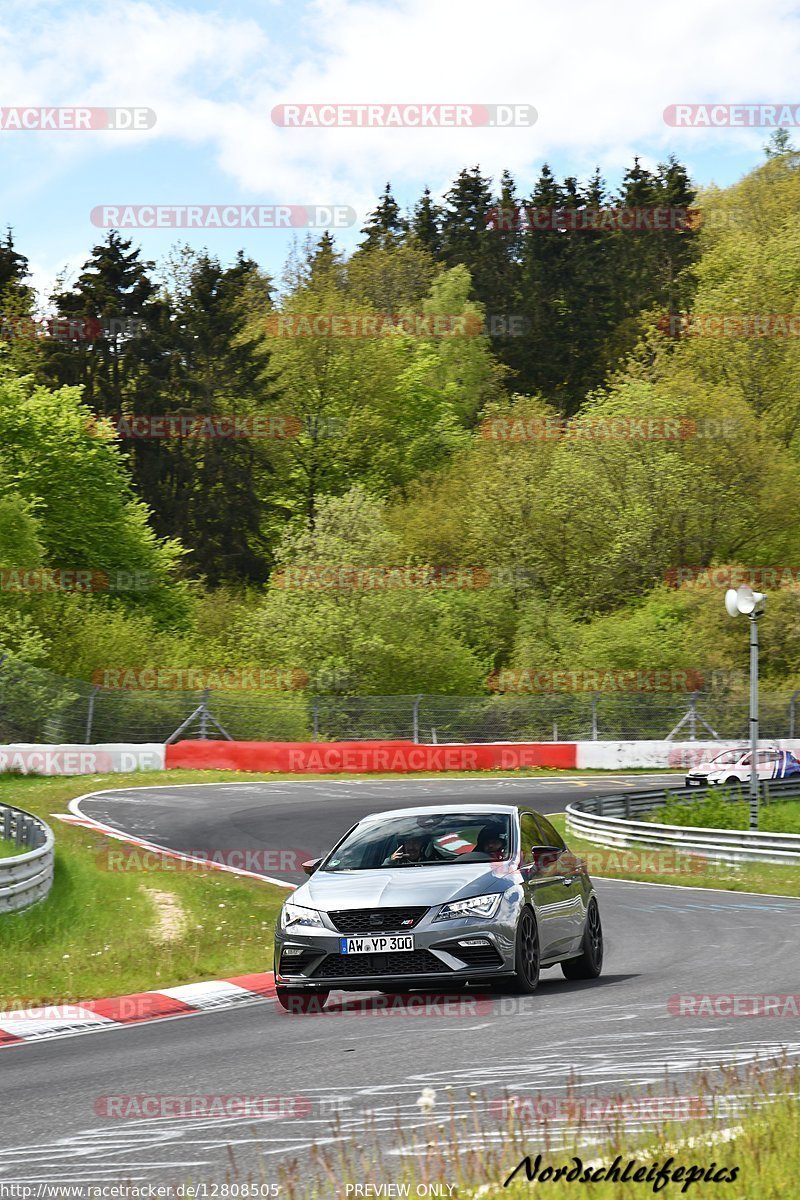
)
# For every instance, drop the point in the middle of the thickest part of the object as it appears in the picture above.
(545, 887)
(573, 880)
(768, 764)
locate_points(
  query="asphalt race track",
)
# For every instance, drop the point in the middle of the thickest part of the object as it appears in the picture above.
(611, 1033)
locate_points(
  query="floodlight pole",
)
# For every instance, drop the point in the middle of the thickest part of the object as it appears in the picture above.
(751, 604)
(753, 618)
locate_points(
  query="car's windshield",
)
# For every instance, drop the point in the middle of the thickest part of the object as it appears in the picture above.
(728, 758)
(423, 840)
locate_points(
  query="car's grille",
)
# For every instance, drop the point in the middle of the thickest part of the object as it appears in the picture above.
(474, 956)
(292, 963)
(392, 920)
(417, 962)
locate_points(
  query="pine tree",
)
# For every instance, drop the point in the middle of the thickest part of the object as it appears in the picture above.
(425, 225)
(385, 227)
(213, 492)
(112, 341)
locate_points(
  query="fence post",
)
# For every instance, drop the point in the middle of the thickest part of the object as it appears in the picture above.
(204, 715)
(555, 731)
(315, 718)
(90, 713)
(595, 700)
(415, 720)
(693, 717)
(792, 708)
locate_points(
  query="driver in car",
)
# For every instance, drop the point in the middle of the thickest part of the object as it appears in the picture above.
(410, 850)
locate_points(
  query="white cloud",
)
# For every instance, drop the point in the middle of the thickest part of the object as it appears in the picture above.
(599, 75)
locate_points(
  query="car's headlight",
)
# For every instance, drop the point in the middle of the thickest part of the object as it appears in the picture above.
(294, 917)
(476, 906)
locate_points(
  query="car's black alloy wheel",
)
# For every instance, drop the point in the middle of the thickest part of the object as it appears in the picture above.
(526, 956)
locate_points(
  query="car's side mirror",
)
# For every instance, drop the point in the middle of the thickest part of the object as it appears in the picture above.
(541, 862)
(311, 865)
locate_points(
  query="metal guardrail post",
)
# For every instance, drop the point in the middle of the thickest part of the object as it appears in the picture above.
(90, 714)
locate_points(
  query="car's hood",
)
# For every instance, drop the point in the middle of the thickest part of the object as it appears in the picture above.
(709, 768)
(400, 886)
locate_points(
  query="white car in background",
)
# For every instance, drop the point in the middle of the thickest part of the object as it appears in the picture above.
(733, 766)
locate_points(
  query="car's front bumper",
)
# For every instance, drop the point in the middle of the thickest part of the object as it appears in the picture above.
(696, 781)
(312, 959)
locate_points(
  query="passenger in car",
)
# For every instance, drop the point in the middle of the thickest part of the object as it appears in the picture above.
(491, 843)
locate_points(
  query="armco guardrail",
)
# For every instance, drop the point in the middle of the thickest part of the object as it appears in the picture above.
(26, 877)
(611, 821)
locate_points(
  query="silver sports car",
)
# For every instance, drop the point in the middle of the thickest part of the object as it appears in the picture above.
(431, 897)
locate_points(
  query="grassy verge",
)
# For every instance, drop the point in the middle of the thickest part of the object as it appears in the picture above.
(714, 810)
(10, 849)
(667, 866)
(749, 1122)
(104, 933)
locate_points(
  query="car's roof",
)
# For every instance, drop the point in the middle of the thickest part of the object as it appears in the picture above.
(444, 809)
(742, 750)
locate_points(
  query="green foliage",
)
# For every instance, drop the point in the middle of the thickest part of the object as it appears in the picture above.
(377, 640)
(392, 456)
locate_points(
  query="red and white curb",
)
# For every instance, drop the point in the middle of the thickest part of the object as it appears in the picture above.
(62, 1020)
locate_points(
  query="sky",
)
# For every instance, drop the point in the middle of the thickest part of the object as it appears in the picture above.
(598, 75)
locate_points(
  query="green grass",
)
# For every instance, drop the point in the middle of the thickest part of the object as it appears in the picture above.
(98, 933)
(10, 849)
(714, 811)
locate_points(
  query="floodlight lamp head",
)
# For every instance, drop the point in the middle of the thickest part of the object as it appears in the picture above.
(745, 601)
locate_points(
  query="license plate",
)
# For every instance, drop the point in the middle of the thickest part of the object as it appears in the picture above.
(376, 945)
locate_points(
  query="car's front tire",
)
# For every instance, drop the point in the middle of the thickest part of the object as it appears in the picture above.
(297, 1000)
(589, 963)
(525, 979)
